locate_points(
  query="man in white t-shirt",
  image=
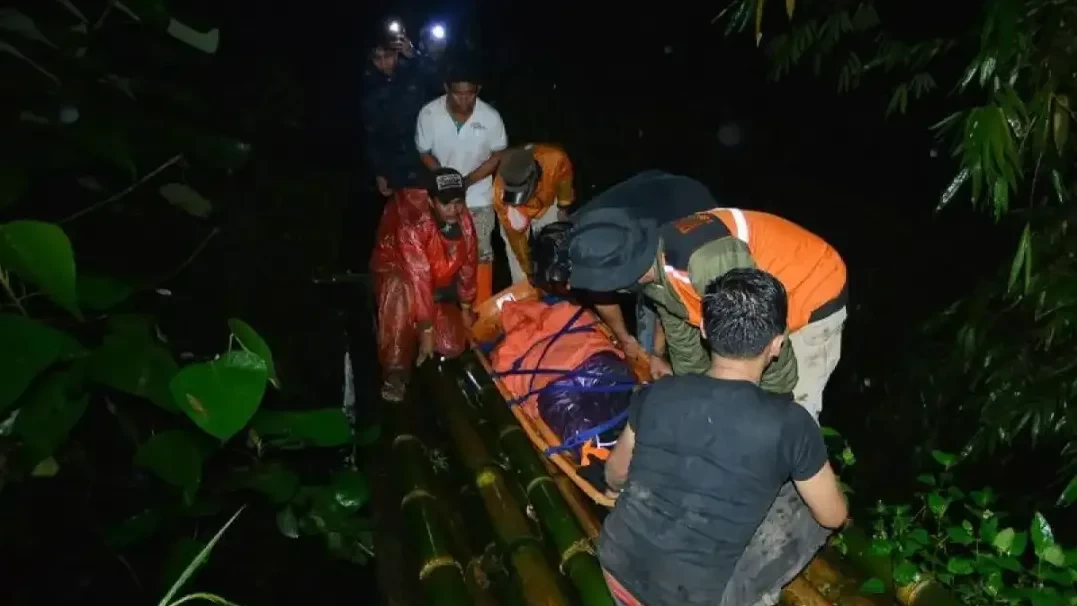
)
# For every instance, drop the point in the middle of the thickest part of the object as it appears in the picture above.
(460, 131)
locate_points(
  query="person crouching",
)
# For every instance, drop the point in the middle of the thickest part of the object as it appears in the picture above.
(424, 266)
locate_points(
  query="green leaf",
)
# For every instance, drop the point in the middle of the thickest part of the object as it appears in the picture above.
(847, 456)
(829, 432)
(29, 347)
(873, 586)
(350, 490)
(926, 479)
(1067, 498)
(959, 535)
(174, 457)
(960, 566)
(1042, 535)
(1020, 257)
(983, 498)
(326, 427)
(182, 552)
(1004, 541)
(187, 199)
(1053, 554)
(100, 293)
(1020, 542)
(41, 254)
(287, 523)
(937, 504)
(135, 365)
(906, 573)
(274, 480)
(49, 415)
(881, 547)
(222, 396)
(198, 561)
(134, 529)
(944, 458)
(254, 343)
(993, 583)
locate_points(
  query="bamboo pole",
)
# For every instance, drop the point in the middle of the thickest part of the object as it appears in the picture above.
(538, 582)
(578, 561)
(440, 574)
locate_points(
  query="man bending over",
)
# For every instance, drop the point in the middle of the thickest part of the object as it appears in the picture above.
(706, 514)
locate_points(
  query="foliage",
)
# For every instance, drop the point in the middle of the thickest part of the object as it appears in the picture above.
(78, 344)
(1012, 378)
(962, 540)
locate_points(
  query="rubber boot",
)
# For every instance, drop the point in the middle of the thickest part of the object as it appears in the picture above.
(484, 278)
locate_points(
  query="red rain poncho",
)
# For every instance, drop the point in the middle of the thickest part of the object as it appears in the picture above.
(414, 264)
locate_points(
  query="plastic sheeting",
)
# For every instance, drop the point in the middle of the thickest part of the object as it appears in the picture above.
(583, 400)
(398, 336)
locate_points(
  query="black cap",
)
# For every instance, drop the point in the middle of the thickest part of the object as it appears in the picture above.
(447, 185)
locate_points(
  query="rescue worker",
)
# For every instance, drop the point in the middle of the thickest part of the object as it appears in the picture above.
(461, 131)
(532, 189)
(671, 264)
(650, 195)
(424, 265)
(701, 460)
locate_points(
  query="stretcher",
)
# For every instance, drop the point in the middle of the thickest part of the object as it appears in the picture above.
(485, 331)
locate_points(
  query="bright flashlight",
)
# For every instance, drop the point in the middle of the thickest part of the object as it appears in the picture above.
(438, 32)
(394, 27)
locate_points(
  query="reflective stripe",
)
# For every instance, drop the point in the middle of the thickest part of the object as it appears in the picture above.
(741, 221)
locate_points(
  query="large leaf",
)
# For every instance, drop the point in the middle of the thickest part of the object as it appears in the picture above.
(250, 340)
(222, 396)
(326, 427)
(136, 365)
(28, 347)
(187, 199)
(14, 21)
(274, 480)
(174, 457)
(40, 253)
(101, 292)
(49, 415)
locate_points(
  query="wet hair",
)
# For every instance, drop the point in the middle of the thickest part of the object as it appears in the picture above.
(743, 310)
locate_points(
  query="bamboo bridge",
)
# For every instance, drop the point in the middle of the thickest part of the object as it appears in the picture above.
(468, 512)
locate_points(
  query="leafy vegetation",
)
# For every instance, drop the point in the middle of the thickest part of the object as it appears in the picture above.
(87, 346)
(962, 540)
(998, 370)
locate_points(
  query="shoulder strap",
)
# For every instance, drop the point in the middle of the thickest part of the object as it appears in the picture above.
(683, 237)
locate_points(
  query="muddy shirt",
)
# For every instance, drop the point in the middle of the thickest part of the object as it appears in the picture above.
(709, 459)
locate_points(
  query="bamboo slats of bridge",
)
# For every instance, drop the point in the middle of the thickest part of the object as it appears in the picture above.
(556, 566)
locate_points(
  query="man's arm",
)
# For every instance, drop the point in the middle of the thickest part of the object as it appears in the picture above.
(613, 317)
(565, 194)
(620, 458)
(497, 140)
(805, 453)
(687, 355)
(424, 140)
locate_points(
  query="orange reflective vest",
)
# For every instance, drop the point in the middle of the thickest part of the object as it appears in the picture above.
(555, 185)
(812, 272)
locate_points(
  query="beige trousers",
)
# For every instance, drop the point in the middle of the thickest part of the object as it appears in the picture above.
(817, 348)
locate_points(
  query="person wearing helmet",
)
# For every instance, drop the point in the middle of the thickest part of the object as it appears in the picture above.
(424, 264)
(532, 189)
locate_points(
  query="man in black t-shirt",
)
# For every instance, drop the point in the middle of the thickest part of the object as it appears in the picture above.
(706, 514)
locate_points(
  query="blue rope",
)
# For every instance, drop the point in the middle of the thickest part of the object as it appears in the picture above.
(582, 437)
